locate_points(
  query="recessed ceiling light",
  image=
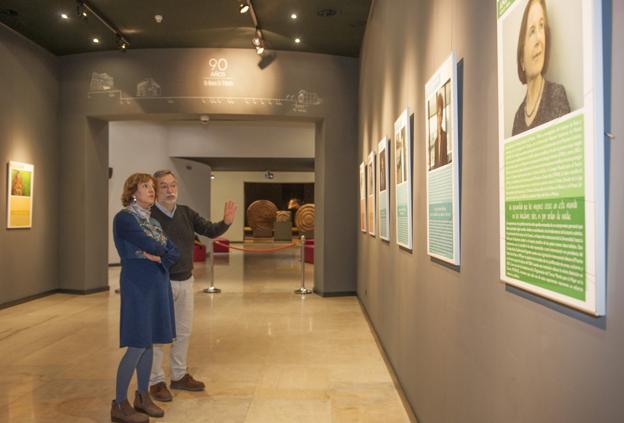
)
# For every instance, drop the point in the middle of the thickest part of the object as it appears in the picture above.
(64, 16)
(297, 40)
(293, 16)
(95, 40)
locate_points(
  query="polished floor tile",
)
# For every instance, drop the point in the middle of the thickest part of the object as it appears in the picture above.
(266, 354)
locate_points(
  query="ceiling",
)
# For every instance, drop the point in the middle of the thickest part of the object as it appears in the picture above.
(192, 23)
(256, 164)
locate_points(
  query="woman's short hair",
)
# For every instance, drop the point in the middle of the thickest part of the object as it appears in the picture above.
(439, 102)
(522, 37)
(132, 185)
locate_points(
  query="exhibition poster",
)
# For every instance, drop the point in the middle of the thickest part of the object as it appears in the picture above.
(383, 158)
(20, 195)
(370, 180)
(551, 149)
(442, 163)
(363, 197)
(403, 179)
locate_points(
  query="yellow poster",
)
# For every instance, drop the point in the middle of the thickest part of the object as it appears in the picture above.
(20, 195)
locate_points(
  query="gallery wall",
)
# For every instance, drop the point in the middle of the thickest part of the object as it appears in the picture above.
(29, 130)
(231, 186)
(136, 146)
(466, 347)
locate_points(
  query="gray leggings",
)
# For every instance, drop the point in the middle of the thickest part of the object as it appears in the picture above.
(134, 358)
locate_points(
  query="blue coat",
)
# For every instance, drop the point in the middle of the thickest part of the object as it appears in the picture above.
(147, 315)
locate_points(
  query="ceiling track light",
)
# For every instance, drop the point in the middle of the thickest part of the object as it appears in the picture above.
(84, 9)
(81, 10)
(244, 7)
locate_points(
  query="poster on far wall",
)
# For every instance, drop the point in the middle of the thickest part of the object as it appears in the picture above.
(363, 197)
(370, 179)
(442, 161)
(383, 200)
(551, 150)
(403, 179)
(20, 195)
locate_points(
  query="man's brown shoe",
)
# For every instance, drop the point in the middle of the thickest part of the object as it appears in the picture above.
(144, 404)
(124, 413)
(159, 392)
(187, 383)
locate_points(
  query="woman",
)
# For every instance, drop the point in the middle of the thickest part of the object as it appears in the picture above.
(147, 315)
(440, 157)
(544, 100)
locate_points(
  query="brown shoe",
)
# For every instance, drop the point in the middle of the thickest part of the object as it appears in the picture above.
(159, 392)
(187, 383)
(124, 413)
(143, 403)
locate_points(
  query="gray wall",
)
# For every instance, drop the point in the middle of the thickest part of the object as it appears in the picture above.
(330, 101)
(465, 347)
(29, 100)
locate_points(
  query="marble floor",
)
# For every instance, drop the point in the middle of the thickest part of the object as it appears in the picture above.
(265, 354)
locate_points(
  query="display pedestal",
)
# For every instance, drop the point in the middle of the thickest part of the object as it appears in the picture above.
(283, 231)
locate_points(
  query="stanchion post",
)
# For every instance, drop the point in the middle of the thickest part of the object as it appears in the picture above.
(212, 289)
(303, 290)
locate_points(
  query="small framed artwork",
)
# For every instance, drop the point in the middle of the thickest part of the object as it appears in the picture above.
(20, 195)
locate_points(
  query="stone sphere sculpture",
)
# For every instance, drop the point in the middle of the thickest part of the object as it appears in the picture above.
(261, 214)
(304, 219)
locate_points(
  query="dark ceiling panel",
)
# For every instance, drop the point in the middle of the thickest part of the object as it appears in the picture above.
(191, 23)
(254, 164)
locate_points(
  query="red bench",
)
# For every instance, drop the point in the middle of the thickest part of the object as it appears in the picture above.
(221, 249)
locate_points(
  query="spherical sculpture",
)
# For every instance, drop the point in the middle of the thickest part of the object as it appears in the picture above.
(261, 214)
(304, 219)
(282, 216)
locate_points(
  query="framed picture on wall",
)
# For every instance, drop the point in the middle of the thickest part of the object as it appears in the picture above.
(372, 189)
(403, 179)
(551, 150)
(21, 177)
(363, 216)
(442, 163)
(383, 199)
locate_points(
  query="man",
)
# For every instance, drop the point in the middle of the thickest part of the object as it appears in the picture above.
(180, 223)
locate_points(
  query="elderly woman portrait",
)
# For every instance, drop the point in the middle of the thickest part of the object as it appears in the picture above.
(544, 100)
(147, 315)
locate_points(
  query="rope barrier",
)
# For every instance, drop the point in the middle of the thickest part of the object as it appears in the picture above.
(255, 250)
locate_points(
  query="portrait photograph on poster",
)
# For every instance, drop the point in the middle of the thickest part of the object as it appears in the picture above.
(403, 179)
(383, 199)
(20, 195)
(551, 150)
(370, 177)
(441, 142)
(363, 216)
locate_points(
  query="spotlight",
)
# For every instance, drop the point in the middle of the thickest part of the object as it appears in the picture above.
(268, 174)
(260, 50)
(64, 16)
(122, 43)
(256, 41)
(266, 60)
(297, 40)
(244, 7)
(212, 177)
(81, 10)
(293, 16)
(95, 40)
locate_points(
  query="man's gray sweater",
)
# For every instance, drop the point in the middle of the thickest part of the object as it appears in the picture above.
(181, 230)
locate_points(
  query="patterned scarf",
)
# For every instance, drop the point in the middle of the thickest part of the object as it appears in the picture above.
(150, 226)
